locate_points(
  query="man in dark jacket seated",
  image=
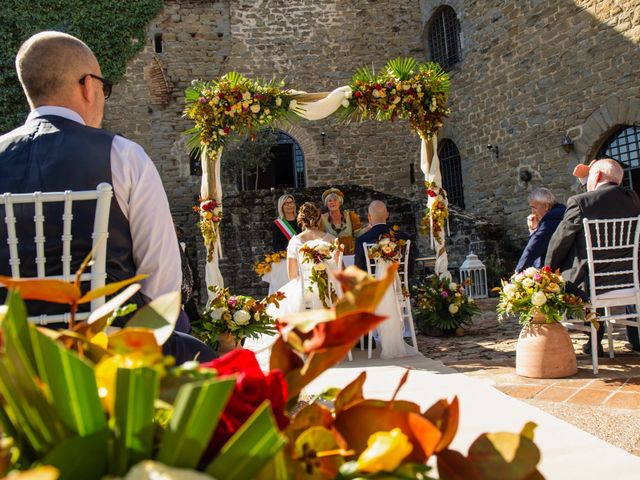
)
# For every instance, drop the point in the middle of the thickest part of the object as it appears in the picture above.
(62, 147)
(546, 215)
(378, 216)
(605, 199)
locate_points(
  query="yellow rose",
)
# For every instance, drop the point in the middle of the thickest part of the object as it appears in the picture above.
(553, 287)
(385, 451)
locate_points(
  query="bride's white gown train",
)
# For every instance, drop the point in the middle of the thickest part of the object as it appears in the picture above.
(391, 331)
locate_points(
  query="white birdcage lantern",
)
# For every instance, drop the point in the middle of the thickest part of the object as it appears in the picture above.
(473, 270)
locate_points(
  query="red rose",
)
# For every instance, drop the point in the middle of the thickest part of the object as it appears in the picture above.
(358, 94)
(546, 269)
(226, 129)
(208, 206)
(431, 193)
(251, 389)
(221, 95)
(377, 86)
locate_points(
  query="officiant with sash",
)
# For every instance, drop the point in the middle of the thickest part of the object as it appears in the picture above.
(286, 225)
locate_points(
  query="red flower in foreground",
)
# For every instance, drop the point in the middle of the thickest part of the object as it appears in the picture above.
(431, 193)
(546, 269)
(252, 388)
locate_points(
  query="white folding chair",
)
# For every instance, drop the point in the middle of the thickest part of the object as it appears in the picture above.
(405, 300)
(304, 286)
(612, 255)
(97, 270)
(371, 270)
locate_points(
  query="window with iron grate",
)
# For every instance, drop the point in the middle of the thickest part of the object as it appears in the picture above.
(624, 146)
(450, 166)
(444, 37)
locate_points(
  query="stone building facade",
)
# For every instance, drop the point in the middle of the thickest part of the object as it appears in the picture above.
(530, 73)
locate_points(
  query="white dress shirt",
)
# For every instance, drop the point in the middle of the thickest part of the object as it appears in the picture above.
(139, 192)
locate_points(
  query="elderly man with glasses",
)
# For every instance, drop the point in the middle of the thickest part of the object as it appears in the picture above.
(62, 147)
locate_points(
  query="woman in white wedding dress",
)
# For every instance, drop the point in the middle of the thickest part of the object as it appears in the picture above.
(300, 293)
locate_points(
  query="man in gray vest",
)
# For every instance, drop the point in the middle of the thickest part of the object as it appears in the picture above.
(61, 147)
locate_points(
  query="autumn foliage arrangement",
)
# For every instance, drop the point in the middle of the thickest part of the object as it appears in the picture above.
(76, 408)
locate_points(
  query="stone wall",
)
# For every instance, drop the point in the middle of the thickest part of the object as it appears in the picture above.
(530, 73)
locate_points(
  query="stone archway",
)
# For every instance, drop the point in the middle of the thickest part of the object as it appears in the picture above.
(588, 137)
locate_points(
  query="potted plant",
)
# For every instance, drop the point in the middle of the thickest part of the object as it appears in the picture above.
(443, 306)
(538, 297)
(229, 319)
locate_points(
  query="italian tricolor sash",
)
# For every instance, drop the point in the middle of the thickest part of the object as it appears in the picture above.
(285, 227)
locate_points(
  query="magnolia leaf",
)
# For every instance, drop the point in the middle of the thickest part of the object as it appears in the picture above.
(445, 416)
(110, 288)
(160, 316)
(362, 293)
(54, 291)
(284, 358)
(107, 309)
(528, 430)
(512, 454)
(135, 340)
(311, 415)
(344, 330)
(358, 423)
(305, 321)
(307, 447)
(453, 465)
(351, 394)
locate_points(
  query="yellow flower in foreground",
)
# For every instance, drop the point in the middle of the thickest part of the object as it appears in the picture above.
(385, 451)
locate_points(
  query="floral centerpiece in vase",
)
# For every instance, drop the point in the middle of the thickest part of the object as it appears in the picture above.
(229, 319)
(443, 306)
(539, 299)
(318, 253)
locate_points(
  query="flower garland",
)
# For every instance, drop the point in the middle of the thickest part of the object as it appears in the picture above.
(262, 267)
(234, 104)
(388, 247)
(436, 216)
(317, 253)
(210, 216)
(405, 89)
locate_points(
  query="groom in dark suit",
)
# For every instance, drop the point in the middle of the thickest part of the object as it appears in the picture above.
(604, 199)
(378, 216)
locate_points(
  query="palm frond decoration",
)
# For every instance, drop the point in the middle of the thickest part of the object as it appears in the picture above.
(402, 68)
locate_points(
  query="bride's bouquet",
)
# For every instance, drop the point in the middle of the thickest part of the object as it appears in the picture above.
(388, 247)
(318, 252)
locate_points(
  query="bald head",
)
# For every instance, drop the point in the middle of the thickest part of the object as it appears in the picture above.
(378, 212)
(605, 170)
(50, 65)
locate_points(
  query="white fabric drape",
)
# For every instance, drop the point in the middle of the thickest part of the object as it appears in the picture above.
(324, 107)
(430, 165)
(211, 188)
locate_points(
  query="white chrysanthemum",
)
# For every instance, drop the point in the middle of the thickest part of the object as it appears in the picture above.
(241, 317)
(538, 299)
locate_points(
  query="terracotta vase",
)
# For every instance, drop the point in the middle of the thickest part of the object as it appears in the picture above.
(544, 350)
(226, 343)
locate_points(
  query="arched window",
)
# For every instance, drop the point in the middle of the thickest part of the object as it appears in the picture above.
(286, 168)
(444, 37)
(624, 146)
(451, 172)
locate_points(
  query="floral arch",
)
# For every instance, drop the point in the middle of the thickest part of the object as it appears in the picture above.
(234, 104)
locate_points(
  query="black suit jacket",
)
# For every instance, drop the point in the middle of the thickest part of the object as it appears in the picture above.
(568, 249)
(372, 236)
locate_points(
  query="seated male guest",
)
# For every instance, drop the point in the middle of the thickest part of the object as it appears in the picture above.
(378, 216)
(61, 147)
(604, 199)
(545, 216)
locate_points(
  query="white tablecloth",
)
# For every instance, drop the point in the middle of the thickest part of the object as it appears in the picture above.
(277, 277)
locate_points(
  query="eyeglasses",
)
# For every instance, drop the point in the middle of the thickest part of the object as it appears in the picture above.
(289, 202)
(106, 84)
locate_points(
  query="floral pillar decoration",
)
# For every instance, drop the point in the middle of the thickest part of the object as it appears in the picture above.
(234, 104)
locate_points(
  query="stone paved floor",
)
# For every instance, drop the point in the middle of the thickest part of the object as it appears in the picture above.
(606, 405)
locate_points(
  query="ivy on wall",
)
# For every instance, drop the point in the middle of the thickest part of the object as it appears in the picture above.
(114, 29)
